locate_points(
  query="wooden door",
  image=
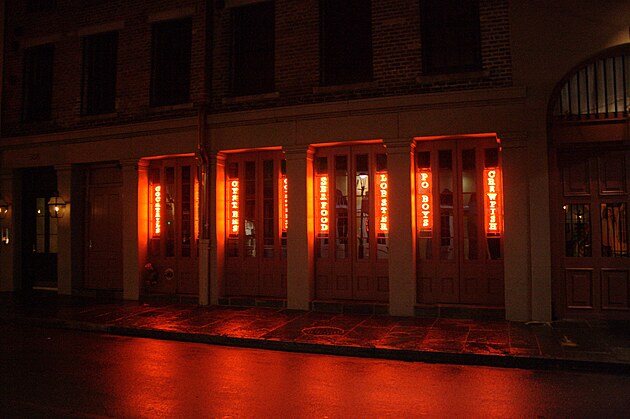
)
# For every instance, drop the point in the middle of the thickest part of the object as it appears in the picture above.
(351, 223)
(173, 246)
(459, 258)
(39, 230)
(104, 239)
(591, 262)
(257, 228)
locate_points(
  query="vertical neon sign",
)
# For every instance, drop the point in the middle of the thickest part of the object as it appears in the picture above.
(425, 204)
(383, 219)
(285, 204)
(234, 207)
(323, 209)
(157, 210)
(492, 201)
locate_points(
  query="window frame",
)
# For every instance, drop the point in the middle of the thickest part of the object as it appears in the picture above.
(346, 53)
(441, 27)
(171, 61)
(247, 50)
(38, 74)
(99, 78)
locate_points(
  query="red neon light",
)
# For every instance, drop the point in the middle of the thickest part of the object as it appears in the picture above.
(424, 185)
(323, 210)
(157, 210)
(285, 204)
(382, 226)
(234, 208)
(492, 201)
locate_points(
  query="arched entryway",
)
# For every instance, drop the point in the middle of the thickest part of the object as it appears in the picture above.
(589, 142)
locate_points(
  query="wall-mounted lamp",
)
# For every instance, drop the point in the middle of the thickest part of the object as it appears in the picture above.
(4, 237)
(56, 207)
(4, 207)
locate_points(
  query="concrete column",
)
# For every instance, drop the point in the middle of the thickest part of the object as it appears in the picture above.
(7, 282)
(539, 221)
(64, 234)
(135, 226)
(300, 234)
(216, 219)
(402, 227)
(516, 239)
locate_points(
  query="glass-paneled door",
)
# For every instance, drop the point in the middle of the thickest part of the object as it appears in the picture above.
(174, 225)
(351, 223)
(256, 224)
(459, 222)
(591, 258)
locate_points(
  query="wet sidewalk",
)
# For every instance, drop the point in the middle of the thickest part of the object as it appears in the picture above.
(582, 345)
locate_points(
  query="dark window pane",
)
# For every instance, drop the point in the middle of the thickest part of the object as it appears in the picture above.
(577, 230)
(170, 72)
(41, 5)
(253, 55)
(450, 36)
(99, 73)
(346, 41)
(614, 222)
(38, 78)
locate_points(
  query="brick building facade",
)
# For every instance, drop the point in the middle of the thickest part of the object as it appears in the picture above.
(194, 142)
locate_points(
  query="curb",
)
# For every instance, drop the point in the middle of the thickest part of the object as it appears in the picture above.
(454, 358)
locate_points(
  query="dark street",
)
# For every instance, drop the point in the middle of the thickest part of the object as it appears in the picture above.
(58, 373)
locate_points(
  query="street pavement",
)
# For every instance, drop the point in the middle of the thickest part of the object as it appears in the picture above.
(570, 345)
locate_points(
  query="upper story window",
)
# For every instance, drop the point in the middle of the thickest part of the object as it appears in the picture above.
(40, 5)
(170, 70)
(38, 81)
(346, 41)
(99, 73)
(253, 49)
(451, 40)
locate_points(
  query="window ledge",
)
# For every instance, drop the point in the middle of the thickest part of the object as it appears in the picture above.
(345, 87)
(96, 117)
(166, 108)
(463, 76)
(249, 98)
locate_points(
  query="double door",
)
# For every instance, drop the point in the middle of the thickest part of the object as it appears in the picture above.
(351, 223)
(591, 259)
(39, 229)
(174, 226)
(459, 222)
(257, 222)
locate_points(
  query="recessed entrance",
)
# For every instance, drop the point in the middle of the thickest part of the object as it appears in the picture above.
(459, 222)
(174, 227)
(257, 223)
(351, 223)
(39, 230)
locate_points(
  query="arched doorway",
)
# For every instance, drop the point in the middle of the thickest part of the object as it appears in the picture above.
(589, 144)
